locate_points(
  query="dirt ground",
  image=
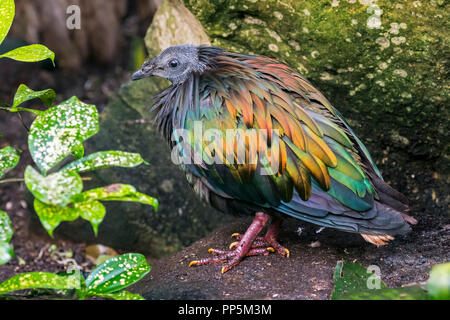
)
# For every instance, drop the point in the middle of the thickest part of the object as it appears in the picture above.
(307, 274)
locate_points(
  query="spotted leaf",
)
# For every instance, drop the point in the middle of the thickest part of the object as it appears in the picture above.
(7, 12)
(9, 158)
(116, 192)
(92, 211)
(59, 131)
(38, 280)
(6, 231)
(31, 53)
(120, 295)
(24, 94)
(51, 216)
(6, 252)
(117, 273)
(55, 189)
(105, 159)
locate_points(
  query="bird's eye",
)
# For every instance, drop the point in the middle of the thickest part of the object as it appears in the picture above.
(173, 63)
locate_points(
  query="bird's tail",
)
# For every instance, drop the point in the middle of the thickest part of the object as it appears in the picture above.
(388, 197)
(392, 198)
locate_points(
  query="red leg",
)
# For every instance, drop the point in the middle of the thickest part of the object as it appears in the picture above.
(243, 248)
(270, 238)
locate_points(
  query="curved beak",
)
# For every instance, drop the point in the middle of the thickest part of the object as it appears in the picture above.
(138, 75)
(145, 71)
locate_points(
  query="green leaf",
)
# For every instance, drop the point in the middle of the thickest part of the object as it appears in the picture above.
(6, 233)
(351, 282)
(55, 189)
(6, 230)
(38, 280)
(116, 192)
(7, 12)
(51, 216)
(24, 94)
(92, 211)
(31, 53)
(120, 295)
(438, 285)
(78, 151)
(404, 293)
(6, 252)
(9, 158)
(117, 273)
(59, 131)
(104, 159)
(351, 277)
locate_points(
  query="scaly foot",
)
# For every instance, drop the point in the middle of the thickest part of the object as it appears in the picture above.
(248, 245)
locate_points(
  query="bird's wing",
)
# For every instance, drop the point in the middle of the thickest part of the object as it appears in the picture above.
(318, 155)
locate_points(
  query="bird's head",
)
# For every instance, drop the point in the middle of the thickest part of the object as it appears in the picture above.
(174, 63)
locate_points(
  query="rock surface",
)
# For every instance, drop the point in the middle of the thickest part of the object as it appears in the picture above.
(381, 63)
(307, 274)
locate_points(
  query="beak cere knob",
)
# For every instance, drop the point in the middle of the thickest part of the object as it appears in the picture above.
(138, 75)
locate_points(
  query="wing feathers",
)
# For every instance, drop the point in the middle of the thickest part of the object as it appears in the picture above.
(322, 171)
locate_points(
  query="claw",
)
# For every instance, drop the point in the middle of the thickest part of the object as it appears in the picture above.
(288, 253)
(236, 234)
(233, 244)
(193, 263)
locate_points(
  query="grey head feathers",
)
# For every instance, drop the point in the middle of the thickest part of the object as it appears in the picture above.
(175, 63)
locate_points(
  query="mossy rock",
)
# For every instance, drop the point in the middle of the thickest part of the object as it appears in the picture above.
(383, 64)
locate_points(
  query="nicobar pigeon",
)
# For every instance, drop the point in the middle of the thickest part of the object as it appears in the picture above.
(324, 174)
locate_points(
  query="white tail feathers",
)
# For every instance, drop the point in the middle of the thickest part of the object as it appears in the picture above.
(377, 239)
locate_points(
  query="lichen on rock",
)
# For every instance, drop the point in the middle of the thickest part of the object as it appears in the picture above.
(383, 64)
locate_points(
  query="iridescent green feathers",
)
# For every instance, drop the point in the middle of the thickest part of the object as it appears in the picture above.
(316, 149)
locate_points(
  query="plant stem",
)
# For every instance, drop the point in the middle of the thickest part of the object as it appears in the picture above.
(12, 180)
(17, 109)
(23, 122)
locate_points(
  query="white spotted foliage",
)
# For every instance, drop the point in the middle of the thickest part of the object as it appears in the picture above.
(117, 273)
(55, 189)
(6, 232)
(105, 159)
(116, 192)
(37, 280)
(134, 268)
(9, 158)
(60, 131)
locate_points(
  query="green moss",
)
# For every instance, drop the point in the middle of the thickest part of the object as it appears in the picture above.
(388, 79)
(372, 70)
